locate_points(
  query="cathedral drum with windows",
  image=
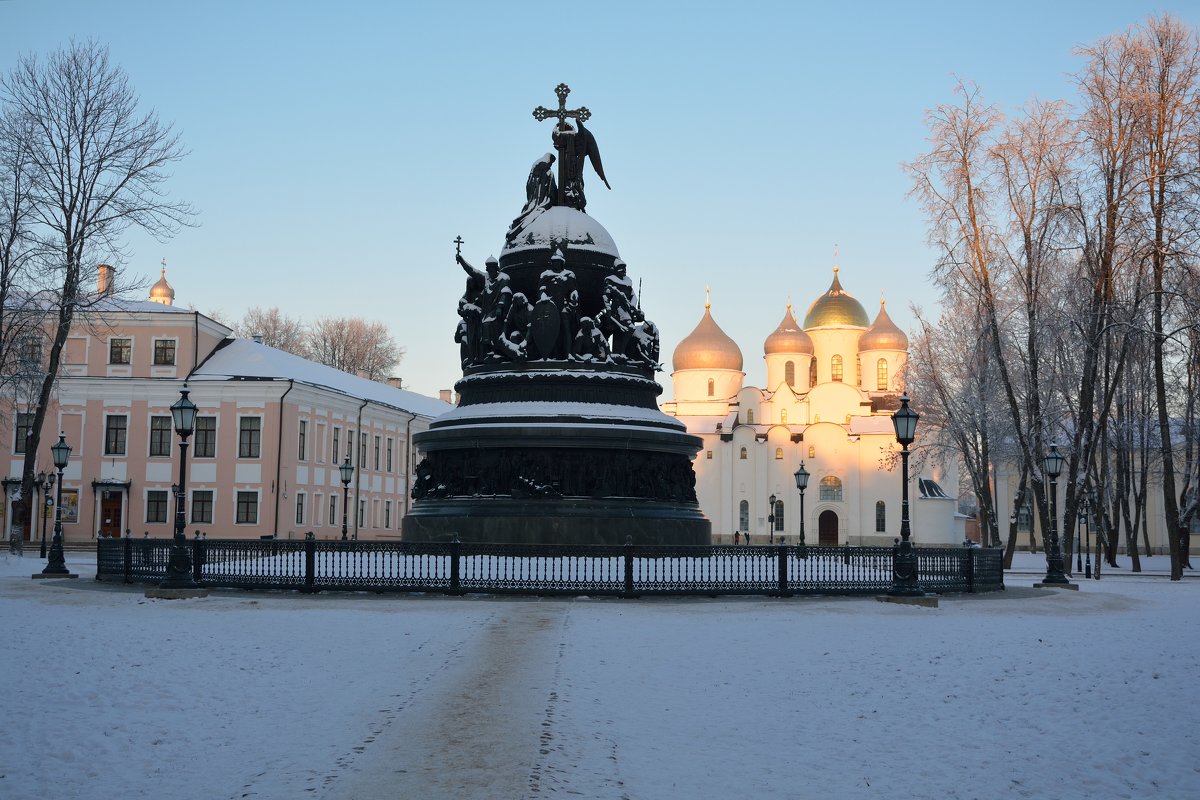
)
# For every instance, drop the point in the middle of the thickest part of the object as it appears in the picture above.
(832, 385)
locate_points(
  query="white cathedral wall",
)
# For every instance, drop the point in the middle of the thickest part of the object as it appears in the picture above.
(895, 362)
(828, 342)
(692, 384)
(777, 371)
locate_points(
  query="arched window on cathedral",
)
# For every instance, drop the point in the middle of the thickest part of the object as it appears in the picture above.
(835, 369)
(880, 517)
(857, 371)
(778, 515)
(783, 416)
(711, 387)
(812, 451)
(812, 373)
(779, 454)
(789, 373)
(749, 416)
(831, 489)
(742, 454)
(881, 376)
(744, 515)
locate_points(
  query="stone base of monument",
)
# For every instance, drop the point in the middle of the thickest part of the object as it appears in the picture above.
(580, 521)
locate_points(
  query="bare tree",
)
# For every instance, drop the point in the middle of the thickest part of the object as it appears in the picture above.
(277, 330)
(95, 167)
(354, 345)
(1168, 67)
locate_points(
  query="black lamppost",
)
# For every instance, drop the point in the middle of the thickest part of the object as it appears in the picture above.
(57, 563)
(179, 564)
(347, 470)
(1084, 513)
(802, 476)
(904, 562)
(1054, 557)
(45, 482)
(771, 519)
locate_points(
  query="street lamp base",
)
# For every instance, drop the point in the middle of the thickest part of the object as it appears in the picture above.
(1056, 585)
(40, 575)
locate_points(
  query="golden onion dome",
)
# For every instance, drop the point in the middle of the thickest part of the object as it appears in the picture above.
(788, 337)
(883, 335)
(707, 347)
(836, 309)
(161, 292)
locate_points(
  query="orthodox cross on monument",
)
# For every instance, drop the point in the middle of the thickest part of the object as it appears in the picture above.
(573, 147)
(458, 243)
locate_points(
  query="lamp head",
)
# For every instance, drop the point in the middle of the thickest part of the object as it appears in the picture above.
(347, 470)
(61, 452)
(1053, 463)
(772, 501)
(183, 414)
(802, 476)
(905, 422)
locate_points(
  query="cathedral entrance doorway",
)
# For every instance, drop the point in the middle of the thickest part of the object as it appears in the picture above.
(827, 529)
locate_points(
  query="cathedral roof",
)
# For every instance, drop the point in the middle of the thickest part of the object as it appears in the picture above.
(883, 335)
(161, 292)
(836, 309)
(707, 347)
(560, 225)
(788, 337)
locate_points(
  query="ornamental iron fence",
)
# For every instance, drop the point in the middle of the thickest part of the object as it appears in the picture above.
(629, 570)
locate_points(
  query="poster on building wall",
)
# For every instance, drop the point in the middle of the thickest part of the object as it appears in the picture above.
(70, 505)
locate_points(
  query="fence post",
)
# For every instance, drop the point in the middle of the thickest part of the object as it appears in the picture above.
(969, 566)
(310, 562)
(128, 559)
(455, 574)
(783, 576)
(628, 566)
(197, 559)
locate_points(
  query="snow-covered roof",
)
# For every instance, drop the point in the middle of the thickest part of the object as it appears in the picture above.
(246, 359)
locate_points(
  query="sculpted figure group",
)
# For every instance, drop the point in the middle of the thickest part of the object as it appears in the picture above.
(496, 324)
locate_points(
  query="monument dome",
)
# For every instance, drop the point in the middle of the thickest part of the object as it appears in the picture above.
(560, 226)
(883, 334)
(837, 308)
(707, 347)
(788, 338)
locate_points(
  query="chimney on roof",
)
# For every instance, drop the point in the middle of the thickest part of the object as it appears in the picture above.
(104, 278)
(395, 382)
(445, 395)
(257, 337)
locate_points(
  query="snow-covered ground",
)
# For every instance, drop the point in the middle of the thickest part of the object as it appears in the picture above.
(1024, 693)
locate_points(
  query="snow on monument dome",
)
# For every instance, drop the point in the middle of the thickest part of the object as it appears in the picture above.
(560, 225)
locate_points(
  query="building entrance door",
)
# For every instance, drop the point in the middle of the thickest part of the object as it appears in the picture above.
(111, 506)
(827, 529)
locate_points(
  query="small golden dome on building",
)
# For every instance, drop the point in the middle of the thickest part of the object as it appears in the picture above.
(788, 337)
(161, 292)
(707, 347)
(836, 309)
(883, 335)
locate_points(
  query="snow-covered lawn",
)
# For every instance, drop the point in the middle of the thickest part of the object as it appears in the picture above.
(1024, 693)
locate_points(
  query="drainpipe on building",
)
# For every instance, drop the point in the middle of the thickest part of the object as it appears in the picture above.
(358, 477)
(407, 459)
(279, 457)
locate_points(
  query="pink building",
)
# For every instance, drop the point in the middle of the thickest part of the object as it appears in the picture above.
(271, 431)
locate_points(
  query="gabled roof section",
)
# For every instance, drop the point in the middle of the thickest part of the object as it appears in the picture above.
(244, 359)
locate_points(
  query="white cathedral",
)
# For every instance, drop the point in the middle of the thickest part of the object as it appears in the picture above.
(832, 386)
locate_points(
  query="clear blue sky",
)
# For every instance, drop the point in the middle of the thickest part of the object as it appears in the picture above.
(338, 148)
